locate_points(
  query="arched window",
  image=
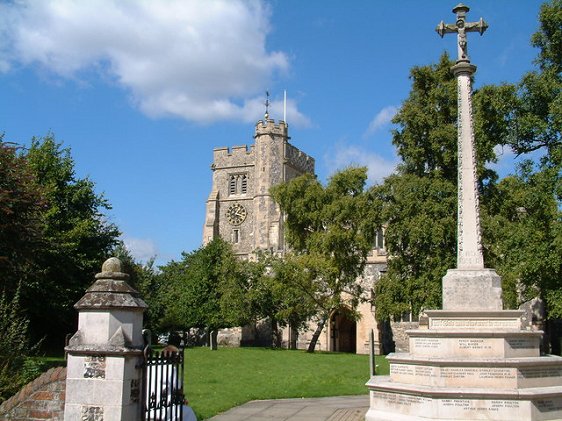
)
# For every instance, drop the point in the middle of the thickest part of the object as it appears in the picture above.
(237, 184)
(232, 185)
(244, 185)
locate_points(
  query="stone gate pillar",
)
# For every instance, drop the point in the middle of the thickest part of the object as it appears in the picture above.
(103, 379)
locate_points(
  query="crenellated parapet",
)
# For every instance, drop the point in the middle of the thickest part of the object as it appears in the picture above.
(299, 160)
(232, 157)
(270, 128)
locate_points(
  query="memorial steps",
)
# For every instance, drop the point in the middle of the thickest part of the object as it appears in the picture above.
(469, 366)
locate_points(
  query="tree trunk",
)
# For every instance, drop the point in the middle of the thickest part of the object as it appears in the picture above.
(292, 337)
(275, 336)
(316, 335)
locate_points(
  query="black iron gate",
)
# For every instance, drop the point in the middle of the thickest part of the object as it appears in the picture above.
(163, 396)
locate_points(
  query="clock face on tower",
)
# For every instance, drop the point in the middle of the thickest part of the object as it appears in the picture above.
(236, 214)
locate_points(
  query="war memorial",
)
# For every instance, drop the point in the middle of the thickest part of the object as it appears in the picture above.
(472, 360)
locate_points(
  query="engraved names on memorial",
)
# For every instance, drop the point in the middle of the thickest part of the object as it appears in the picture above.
(445, 376)
(475, 323)
(455, 408)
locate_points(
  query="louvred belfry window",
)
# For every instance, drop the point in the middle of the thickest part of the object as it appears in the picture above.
(237, 184)
(232, 185)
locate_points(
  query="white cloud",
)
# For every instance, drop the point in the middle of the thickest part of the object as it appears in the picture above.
(202, 60)
(344, 156)
(382, 118)
(142, 249)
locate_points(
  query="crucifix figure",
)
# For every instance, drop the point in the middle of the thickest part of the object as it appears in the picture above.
(461, 27)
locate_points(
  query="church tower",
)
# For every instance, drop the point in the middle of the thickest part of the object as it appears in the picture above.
(240, 208)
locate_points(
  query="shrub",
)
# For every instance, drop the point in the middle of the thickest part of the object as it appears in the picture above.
(14, 346)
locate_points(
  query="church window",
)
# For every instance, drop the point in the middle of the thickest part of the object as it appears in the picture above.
(232, 185)
(235, 236)
(237, 184)
(244, 185)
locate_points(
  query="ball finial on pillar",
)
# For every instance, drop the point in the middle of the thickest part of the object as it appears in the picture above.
(113, 264)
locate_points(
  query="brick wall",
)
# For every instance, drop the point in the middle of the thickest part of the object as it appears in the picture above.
(42, 399)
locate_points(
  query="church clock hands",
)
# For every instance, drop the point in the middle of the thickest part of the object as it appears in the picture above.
(236, 214)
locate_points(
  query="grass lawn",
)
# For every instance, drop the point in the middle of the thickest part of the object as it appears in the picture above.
(219, 380)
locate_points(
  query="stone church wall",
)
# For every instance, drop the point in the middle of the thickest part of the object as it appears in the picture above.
(233, 157)
(297, 159)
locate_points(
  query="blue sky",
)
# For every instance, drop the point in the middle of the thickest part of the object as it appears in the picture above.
(142, 91)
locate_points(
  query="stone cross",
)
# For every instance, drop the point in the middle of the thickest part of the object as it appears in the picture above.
(461, 27)
(469, 244)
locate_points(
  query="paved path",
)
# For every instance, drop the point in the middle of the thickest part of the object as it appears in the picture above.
(342, 408)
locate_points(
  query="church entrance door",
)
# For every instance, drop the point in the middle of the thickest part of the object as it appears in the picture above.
(343, 332)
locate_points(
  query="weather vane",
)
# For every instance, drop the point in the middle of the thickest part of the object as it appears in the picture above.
(266, 105)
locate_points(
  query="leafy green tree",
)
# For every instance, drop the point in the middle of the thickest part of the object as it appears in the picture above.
(330, 230)
(145, 278)
(426, 137)
(14, 346)
(537, 120)
(525, 212)
(76, 239)
(193, 288)
(525, 229)
(291, 284)
(21, 205)
(419, 213)
(271, 289)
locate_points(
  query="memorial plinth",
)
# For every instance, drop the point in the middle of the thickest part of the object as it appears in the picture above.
(474, 360)
(472, 289)
(469, 365)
